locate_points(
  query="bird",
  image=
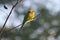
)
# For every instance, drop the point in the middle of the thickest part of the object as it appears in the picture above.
(28, 18)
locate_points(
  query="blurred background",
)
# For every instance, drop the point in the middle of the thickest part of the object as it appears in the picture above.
(45, 26)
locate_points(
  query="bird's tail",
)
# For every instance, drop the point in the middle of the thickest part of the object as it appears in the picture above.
(21, 27)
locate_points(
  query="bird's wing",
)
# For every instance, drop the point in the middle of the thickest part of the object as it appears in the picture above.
(25, 18)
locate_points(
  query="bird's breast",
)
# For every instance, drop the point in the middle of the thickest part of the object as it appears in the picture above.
(32, 15)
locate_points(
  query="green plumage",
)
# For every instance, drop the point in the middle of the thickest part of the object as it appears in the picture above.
(28, 17)
(24, 20)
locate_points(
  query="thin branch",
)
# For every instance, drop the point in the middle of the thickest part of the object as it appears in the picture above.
(15, 27)
(8, 18)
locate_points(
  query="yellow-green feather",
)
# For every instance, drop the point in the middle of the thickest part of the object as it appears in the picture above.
(28, 17)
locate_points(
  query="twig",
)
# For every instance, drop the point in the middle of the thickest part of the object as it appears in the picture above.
(14, 27)
(8, 18)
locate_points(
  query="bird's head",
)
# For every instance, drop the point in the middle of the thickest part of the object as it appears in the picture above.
(31, 11)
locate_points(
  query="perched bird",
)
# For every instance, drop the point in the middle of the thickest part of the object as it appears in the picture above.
(28, 18)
